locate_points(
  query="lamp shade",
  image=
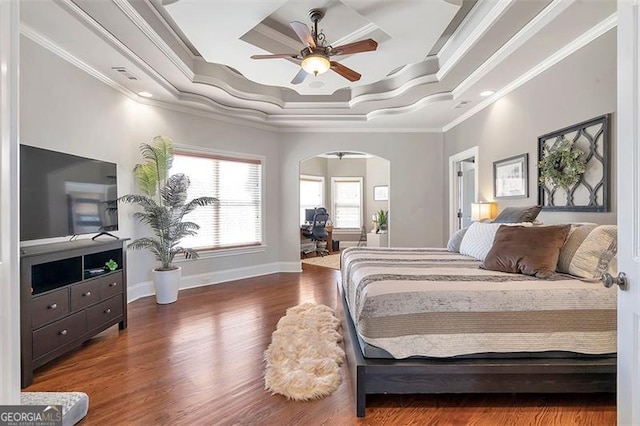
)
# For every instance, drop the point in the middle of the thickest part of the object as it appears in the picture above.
(315, 64)
(480, 211)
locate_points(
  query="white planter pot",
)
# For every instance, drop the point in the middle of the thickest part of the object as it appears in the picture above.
(167, 284)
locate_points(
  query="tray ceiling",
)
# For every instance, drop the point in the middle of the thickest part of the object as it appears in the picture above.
(434, 57)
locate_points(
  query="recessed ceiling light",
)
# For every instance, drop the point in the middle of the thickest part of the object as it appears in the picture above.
(145, 94)
(487, 93)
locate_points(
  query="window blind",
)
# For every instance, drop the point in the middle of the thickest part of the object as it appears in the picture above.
(311, 194)
(347, 202)
(236, 220)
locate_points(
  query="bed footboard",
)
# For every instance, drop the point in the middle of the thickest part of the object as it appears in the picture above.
(495, 375)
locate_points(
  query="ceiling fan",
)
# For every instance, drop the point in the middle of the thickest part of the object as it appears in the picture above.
(315, 57)
(341, 154)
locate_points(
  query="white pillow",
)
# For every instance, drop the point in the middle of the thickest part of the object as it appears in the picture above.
(478, 239)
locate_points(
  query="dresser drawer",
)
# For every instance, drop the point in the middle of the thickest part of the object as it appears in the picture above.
(53, 336)
(49, 307)
(110, 285)
(104, 312)
(85, 294)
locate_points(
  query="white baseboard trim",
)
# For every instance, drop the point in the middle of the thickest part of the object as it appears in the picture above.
(145, 288)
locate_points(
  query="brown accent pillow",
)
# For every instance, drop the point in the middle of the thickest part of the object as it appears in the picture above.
(529, 251)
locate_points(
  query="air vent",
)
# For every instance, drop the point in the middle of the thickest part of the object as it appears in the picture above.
(462, 104)
(124, 72)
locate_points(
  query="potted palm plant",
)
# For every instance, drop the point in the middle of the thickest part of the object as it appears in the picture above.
(164, 204)
(382, 219)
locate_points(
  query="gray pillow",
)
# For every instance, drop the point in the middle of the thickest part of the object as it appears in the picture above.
(456, 239)
(518, 214)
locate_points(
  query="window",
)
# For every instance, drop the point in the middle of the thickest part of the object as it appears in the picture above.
(311, 194)
(347, 202)
(236, 220)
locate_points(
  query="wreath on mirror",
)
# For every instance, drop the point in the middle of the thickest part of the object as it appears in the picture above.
(562, 164)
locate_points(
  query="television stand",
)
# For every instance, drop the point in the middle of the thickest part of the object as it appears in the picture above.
(67, 296)
(104, 233)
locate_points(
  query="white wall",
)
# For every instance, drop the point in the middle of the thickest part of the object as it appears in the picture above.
(416, 178)
(65, 109)
(580, 87)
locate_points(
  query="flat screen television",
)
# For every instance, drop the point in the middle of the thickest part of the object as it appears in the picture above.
(63, 194)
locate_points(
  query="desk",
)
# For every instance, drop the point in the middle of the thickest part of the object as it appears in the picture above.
(329, 237)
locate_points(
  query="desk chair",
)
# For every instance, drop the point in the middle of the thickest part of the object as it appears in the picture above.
(317, 232)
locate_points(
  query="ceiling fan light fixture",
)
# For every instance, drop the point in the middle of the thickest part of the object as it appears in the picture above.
(316, 64)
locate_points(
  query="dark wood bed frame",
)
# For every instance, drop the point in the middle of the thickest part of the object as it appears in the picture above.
(489, 375)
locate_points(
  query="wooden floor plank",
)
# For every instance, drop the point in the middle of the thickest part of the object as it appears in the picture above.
(200, 362)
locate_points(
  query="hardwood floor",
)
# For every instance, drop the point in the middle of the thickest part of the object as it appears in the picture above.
(200, 361)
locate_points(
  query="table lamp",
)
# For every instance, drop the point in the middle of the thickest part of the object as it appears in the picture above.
(481, 211)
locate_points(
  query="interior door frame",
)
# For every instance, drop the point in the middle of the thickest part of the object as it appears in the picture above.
(9, 197)
(628, 158)
(453, 187)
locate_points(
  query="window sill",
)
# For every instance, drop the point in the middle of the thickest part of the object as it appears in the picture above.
(207, 254)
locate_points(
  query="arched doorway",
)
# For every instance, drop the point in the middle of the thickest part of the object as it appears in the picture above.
(354, 187)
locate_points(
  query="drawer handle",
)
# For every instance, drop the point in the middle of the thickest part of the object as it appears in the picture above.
(113, 284)
(53, 306)
(107, 311)
(87, 294)
(63, 333)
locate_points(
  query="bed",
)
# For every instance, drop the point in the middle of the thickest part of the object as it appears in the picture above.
(431, 321)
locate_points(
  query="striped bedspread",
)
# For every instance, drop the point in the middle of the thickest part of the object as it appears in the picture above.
(431, 302)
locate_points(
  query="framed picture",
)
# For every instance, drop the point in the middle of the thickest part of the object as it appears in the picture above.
(381, 193)
(511, 177)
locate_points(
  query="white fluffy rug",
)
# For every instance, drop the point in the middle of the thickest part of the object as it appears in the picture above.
(304, 357)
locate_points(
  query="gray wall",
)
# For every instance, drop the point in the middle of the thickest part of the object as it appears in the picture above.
(578, 88)
(416, 182)
(65, 109)
(377, 175)
(315, 166)
(374, 171)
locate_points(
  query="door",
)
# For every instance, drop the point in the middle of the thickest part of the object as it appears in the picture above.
(463, 187)
(468, 193)
(628, 177)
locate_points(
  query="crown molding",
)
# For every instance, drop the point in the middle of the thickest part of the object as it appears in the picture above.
(480, 21)
(38, 38)
(539, 22)
(355, 35)
(162, 19)
(206, 113)
(329, 130)
(583, 40)
(100, 31)
(417, 105)
(395, 83)
(269, 32)
(151, 34)
(253, 110)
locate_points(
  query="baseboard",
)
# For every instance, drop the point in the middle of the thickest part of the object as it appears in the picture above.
(145, 288)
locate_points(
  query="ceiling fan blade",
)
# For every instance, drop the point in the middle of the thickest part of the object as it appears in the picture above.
(276, 56)
(346, 72)
(299, 78)
(356, 47)
(303, 33)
